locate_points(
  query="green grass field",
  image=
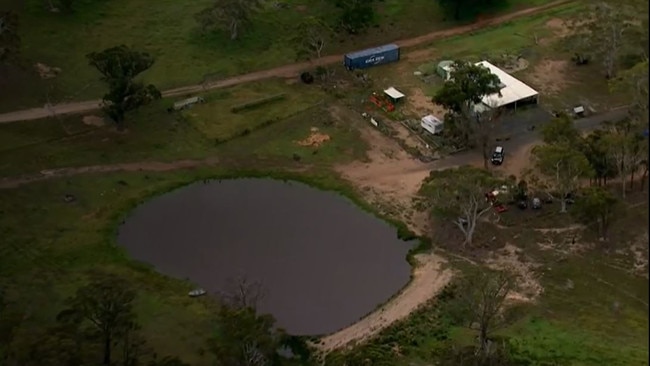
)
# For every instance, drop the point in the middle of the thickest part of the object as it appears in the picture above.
(184, 56)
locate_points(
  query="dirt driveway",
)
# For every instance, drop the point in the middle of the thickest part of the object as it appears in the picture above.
(284, 71)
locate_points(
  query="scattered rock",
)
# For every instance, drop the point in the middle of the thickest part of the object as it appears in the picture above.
(45, 71)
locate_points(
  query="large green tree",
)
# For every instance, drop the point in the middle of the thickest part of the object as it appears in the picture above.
(627, 148)
(245, 338)
(310, 38)
(562, 168)
(355, 16)
(604, 32)
(561, 130)
(459, 194)
(106, 306)
(596, 150)
(9, 38)
(597, 206)
(480, 303)
(119, 67)
(635, 81)
(227, 15)
(466, 89)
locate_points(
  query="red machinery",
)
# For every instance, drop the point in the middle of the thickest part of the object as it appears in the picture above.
(491, 197)
(382, 102)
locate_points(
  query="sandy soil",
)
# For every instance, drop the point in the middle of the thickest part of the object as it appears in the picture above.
(391, 180)
(517, 162)
(549, 76)
(429, 278)
(510, 258)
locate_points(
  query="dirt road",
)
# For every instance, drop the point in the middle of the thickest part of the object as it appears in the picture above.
(287, 71)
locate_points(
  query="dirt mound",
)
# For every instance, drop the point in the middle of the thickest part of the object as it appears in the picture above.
(45, 71)
(316, 138)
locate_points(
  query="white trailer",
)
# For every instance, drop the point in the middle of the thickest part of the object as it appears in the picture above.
(432, 124)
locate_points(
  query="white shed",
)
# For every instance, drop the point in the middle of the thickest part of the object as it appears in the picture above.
(432, 124)
(394, 94)
(514, 91)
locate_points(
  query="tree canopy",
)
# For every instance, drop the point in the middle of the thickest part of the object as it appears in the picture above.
(119, 67)
(561, 130)
(311, 36)
(355, 15)
(9, 38)
(227, 15)
(597, 206)
(106, 305)
(563, 167)
(605, 32)
(469, 84)
(459, 194)
(245, 338)
(479, 303)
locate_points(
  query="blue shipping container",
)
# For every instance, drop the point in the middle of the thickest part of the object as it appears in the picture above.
(371, 57)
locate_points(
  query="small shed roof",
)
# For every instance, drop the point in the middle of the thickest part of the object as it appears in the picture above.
(394, 93)
(513, 90)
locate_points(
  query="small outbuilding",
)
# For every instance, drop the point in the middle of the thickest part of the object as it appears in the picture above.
(432, 124)
(444, 69)
(394, 94)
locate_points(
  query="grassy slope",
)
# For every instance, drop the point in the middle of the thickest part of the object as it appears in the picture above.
(168, 31)
(48, 245)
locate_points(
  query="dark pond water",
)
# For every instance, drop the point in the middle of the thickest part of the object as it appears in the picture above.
(322, 261)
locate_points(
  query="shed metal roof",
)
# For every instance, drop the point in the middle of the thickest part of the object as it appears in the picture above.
(394, 93)
(514, 90)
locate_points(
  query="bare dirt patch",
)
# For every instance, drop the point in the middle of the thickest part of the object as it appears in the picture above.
(559, 27)
(512, 258)
(421, 104)
(93, 121)
(45, 71)
(429, 277)
(390, 181)
(517, 162)
(549, 76)
(316, 139)
(639, 250)
(425, 54)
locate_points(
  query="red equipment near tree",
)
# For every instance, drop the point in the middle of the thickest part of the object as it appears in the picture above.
(382, 102)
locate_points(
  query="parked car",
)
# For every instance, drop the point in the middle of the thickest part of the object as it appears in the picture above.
(497, 155)
(537, 203)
